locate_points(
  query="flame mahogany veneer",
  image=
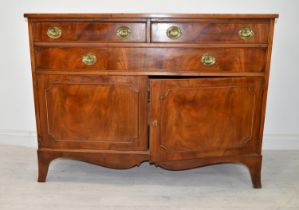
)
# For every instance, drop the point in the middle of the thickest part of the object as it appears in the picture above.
(177, 90)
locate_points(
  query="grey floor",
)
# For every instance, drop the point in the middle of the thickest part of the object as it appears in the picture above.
(76, 185)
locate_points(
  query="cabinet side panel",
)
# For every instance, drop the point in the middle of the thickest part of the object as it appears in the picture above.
(266, 84)
(34, 81)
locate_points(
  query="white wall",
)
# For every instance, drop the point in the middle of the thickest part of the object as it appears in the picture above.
(17, 124)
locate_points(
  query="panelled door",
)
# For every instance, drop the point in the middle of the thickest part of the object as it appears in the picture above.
(201, 117)
(93, 112)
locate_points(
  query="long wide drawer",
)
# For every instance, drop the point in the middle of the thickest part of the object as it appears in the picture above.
(151, 59)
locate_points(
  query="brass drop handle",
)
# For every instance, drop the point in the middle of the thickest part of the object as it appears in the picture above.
(123, 32)
(54, 32)
(208, 60)
(174, 32)
(246, 33)
(89, 59)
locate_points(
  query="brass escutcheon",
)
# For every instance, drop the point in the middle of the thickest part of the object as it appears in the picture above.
(155, 123)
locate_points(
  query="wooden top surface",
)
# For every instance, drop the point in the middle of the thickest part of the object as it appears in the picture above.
(147, 15)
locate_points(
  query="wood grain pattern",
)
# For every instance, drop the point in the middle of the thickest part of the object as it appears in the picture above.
(90, 31)
(204, 117)
(252, 162)
(196, 115)
(153, 73)
(34, 84)
(158, 59)
(266, 80)
(117, 160)
(210, 32)
(82, 16)
(93, 112)
(149, 45)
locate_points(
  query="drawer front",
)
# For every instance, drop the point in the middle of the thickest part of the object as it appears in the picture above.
(209, 32)
(89, 31)
(207, 59)
(104, 58)
(152, 59)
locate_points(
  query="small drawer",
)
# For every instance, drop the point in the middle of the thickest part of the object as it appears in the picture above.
(210, 32)
(89, 32)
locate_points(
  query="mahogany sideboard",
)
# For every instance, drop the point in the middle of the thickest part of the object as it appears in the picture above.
(177, 90)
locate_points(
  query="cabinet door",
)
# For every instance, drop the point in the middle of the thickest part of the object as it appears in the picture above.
(193, 118)
(93, 112)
